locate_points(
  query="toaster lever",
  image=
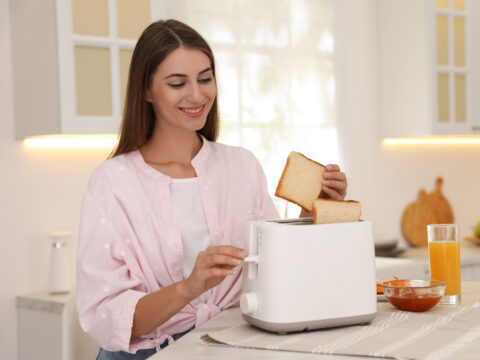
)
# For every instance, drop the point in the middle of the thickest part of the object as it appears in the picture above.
(252, 268)
(251, 259)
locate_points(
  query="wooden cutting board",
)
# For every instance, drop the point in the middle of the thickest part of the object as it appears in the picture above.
(473, 239)
(430, 208)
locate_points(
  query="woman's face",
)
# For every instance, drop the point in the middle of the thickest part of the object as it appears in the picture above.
(182, 90)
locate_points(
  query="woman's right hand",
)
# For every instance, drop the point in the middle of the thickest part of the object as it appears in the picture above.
(212, 266)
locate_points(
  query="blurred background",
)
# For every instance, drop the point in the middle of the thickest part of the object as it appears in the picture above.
(387, 89)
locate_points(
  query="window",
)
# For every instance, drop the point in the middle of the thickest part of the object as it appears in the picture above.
(456, 44)
(104, 35)
(275, 75)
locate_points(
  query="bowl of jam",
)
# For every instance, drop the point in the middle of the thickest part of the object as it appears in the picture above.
(413, 295)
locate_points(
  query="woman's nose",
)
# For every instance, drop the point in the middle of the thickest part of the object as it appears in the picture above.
(196, 94)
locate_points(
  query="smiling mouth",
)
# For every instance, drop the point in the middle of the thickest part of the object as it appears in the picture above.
(193, 111)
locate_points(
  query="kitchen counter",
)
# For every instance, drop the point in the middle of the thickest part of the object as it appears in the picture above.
(413, 263)
(469, 254)
(44, 301)
(190, 347)
(51, 319)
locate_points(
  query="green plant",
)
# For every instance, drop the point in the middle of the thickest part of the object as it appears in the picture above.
(477, 230)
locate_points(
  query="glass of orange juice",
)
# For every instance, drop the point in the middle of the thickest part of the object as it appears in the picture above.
(444, 254)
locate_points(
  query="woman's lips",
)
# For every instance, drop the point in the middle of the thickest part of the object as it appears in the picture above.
(193, 111)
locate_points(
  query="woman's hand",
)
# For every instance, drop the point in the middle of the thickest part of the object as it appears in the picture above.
(334, 183)
(334, 186)
(212, 266)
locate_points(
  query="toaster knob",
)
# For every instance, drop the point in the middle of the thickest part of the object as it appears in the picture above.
(248, 303)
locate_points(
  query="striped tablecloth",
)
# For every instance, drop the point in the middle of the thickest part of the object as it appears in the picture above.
(444, 332)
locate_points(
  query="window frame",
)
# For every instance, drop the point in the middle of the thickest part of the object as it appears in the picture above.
(67, 41)
(470, 70)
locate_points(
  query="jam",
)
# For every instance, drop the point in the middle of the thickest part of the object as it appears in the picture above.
(412, 302)
(379, 289)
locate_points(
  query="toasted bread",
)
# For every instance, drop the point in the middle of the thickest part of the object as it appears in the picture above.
(301, 180)
(327, 211)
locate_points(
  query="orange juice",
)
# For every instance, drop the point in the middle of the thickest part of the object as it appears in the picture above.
(445, 264)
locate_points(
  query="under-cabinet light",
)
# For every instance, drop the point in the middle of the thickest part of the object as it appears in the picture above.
(433, 140)
(102, 141)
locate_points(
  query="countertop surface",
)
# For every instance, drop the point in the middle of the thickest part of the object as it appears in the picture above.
(190, 346)
(469, 253)
(414, 262)
(45, 301)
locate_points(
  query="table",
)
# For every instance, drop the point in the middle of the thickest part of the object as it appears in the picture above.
(190, 347)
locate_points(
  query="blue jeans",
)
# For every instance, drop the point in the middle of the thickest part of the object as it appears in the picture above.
(139, 355)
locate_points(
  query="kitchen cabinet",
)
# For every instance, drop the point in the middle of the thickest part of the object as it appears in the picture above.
(429, 56)
(70, 71)
(48, 328)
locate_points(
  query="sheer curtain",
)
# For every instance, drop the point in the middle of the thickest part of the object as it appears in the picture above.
(275, 76)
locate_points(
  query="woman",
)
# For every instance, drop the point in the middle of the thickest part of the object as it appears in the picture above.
(162, 222)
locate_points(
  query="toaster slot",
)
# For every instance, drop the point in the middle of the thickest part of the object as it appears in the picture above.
(295, 221)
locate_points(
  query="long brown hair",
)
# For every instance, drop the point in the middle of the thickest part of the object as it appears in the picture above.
(157, 41)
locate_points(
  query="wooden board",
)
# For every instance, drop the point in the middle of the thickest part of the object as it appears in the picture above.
(430, 208)
(473, 239)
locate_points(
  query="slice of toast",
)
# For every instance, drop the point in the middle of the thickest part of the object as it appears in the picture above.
(301, 180)
(327, 211)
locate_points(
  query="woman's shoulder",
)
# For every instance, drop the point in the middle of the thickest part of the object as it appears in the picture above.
(236, 159)
(113, 165)
(111, 170)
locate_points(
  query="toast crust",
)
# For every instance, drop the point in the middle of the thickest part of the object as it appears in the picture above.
(340, 201)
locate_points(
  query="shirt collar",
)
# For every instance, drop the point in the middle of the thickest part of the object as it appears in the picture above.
(203, 154)
(197, 160)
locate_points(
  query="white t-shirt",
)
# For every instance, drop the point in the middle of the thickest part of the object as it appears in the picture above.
(190, 219)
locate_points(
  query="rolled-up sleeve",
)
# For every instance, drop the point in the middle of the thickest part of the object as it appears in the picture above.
(109, 282)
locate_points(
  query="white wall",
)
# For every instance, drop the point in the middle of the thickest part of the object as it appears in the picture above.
(41, 190)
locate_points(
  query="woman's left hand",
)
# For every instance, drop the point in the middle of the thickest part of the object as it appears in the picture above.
(334, 183)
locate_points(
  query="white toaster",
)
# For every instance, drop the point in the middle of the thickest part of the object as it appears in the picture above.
(302, 276)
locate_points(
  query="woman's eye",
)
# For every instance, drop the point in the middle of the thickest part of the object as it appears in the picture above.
(176, 85)
(206, 80)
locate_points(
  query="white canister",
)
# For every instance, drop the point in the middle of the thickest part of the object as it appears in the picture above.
(60, 277)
